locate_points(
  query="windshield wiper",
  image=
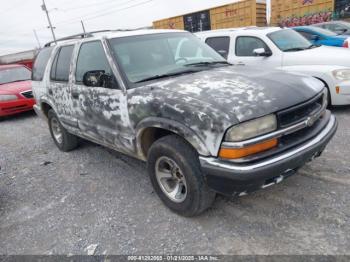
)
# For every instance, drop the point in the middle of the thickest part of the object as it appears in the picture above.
(295, 49)
(166, 75)
(208, 63)
(312, 46)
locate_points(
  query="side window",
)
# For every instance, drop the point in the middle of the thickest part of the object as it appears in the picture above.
(61, 64)
(40, 64)
(220, 45)
(91, 58)
(245, 45)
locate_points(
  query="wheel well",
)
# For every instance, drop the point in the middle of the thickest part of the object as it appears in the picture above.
(45, 108)
(151, 135)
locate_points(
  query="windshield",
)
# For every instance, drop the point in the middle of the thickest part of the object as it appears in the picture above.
(288, 40)
(14, 75)
(150, 57)
(322, 31)
(345, 24)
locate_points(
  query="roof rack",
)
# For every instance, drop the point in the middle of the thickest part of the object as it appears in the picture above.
(86, 35)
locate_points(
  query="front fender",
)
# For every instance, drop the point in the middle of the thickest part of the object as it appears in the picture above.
(321, 72)
(185, 132)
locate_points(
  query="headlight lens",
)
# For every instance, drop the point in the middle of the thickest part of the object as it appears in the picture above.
(7, 98)
(251, 129)
(342, 74)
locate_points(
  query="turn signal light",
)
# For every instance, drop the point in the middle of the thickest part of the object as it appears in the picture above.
(346, 44)
(337, 89)
(235, 153)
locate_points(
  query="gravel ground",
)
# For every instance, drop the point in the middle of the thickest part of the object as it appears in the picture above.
(61, 203)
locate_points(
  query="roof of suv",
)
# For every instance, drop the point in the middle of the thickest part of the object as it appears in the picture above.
(251, 29)
(114, 34)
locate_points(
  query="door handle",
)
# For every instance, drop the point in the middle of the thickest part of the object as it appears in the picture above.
(75, 94)
(241, 64)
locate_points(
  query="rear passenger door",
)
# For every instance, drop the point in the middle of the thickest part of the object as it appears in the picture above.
(98, 110)
(59, 87)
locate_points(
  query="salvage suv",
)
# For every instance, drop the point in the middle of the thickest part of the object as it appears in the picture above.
(203, 125)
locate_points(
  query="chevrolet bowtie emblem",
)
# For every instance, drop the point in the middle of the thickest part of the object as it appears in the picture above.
(310, 121)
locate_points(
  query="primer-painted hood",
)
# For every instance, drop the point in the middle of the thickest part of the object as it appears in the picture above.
(244, 93)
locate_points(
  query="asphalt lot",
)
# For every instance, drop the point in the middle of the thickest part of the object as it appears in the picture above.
(61, 203)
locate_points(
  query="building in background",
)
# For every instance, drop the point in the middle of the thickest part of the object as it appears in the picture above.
(237, 14)
(308, 12)
(24, 58)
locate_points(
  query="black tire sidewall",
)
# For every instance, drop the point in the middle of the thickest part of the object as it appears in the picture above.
(69, 141)
(187, 159)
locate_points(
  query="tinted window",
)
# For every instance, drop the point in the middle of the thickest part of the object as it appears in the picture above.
(220, 44)
(91, 57)
(61, 65)
(14, 75)
(41, 63)
(245, 45)
(322, 31)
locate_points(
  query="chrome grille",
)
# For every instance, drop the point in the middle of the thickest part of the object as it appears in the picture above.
(301, 112)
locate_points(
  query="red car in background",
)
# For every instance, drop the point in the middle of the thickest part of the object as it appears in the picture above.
(16, 94)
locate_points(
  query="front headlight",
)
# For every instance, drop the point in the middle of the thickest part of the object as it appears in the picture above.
(7, 98)
(342, 74)
(251, 129)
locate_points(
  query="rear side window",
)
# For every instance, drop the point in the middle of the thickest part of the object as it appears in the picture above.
(41, 63)
(61, 65)
(91, 57)
(219, 44)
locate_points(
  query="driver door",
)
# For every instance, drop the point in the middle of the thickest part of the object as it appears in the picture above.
(242, 54)
(98, 109)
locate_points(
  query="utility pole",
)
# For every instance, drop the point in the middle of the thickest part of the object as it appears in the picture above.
(43, 7)
(82, 24)
(37, 38)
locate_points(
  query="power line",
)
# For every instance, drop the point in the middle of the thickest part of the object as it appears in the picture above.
(95, 4)
(103, 13)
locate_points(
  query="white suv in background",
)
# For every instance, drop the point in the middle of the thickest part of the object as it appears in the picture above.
(285, 49)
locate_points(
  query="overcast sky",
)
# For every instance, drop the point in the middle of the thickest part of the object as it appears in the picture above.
(18, 18)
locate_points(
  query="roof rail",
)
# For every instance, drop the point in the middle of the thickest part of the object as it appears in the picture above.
(77, 36)
(89, 34)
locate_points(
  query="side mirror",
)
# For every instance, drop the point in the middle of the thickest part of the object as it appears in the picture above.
(341, 31)
(261, 52)
(223, 53)
(97, 78)
(314, 38)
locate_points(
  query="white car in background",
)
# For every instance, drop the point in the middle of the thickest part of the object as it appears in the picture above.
(276, 48)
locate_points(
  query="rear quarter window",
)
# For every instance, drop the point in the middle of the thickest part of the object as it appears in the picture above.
(61, 65)
(40, 64)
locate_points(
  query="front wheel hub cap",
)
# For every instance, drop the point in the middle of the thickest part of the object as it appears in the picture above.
(171, 179)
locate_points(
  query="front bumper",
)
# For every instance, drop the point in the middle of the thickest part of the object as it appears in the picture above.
(16, 106)
(343, 97)
(234, 179)
(39, 111)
